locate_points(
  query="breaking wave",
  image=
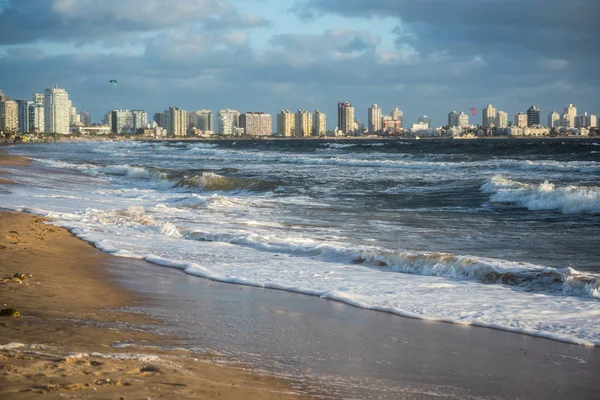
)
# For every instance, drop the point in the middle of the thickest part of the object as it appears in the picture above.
(544, 196)
(210, 181)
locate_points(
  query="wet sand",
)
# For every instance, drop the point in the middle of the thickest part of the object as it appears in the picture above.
(73, 313)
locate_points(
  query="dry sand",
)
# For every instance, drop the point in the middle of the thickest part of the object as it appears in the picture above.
(61, 344)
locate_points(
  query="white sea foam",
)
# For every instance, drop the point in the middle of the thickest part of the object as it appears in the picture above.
(544, 196)
(339, 145)
(126, 170)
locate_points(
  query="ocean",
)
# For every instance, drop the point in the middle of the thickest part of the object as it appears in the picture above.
(494, 233)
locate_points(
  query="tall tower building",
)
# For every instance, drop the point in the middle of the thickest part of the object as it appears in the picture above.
(204, 120)
(533, 117)
(228, 121)
(453, 119)
(489, 116)
(9, 116)
(256, 124)
(85, 119)
(286, 123)
(36, 114)
(57, 109)
(346, 118)
(569, 114)
(304, 123)
(176, 122)
(397, 115)
(553, 120)
(140, 119)
(320, 123)
(23, 107)
(463, 120)
(521, 120)
(502, 119)
(375, 119)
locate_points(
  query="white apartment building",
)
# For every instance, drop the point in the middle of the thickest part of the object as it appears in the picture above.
(9, 116)
(553, 120)
(463, 120)
(204, 120)
(257, 124)
(286, 123)
(568, 117)
(304, 123)
(375, 119)
(57, 108)
(228, 121)
(176, 122)
(397, 115)
(489, 116)
(346, 118)
(502, 119)
(319, 123)
(521, 120)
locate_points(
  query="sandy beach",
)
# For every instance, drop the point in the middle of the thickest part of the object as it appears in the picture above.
(69, 318)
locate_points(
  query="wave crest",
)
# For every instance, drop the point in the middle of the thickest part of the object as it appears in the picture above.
(210, 181)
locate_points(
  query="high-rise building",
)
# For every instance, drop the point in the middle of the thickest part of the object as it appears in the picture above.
(73, 117)
(57, 108)
(502, 119)
(533, 117)
(127, 122)
(304, 123)
(228, 121)
(319, 123)
(36, 117)
(425, 121)
(9, 116)
(489, 116)
(23, 107)
(397, 115)
(521, 120)
(286, 123)
(553, 120)
(256, 124)
(85, 119)
(453, 119)
(204, 120)
(375, 119)
(161, 119)
(176, 122)
(585, 121)
(569, 114)
(463, 120)
(346, 118)
(38, 98)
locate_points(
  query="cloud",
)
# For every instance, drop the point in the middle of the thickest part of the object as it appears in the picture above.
(83, 21)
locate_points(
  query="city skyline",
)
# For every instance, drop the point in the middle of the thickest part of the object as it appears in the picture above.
(299, 54)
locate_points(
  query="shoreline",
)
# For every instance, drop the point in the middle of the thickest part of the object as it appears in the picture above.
(73, 314)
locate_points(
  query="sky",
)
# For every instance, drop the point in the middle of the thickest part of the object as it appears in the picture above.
(426, 57)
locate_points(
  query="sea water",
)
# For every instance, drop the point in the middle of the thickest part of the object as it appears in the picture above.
(495, 233)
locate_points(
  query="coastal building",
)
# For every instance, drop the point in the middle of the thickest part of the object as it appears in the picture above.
(304, 123)
(502, 119)
(553, 120)
(568, 117)
(127, 122)
(489, 116)
(397, 115)
(375, 119)
(320, 123)
(73, 117)
(23, 109)
(85, 119)
(256, 124)
(176, 122)
(9, 116)
(346, 118)
(140, 119)
(286, 123)
(205, 120)
(36, 117)
(521, 120)
(38, 98)
(425, 120)
(391, 126)
(161, 119)
(57, 109)
(585, 121)
(533, 117)
(228, 121)
(453, 119)
(463, 120)
(93, 130)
